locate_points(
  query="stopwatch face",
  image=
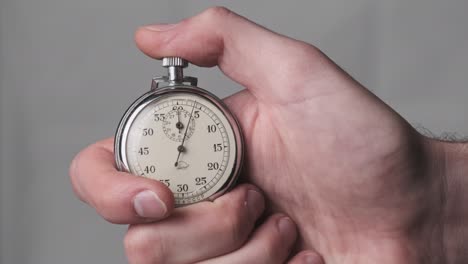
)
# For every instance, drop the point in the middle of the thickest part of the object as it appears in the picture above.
(186, 140)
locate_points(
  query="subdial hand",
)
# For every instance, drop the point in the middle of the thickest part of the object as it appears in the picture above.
(179, 124)
(181, 148)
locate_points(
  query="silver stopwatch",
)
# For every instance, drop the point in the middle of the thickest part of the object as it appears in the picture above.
(182, 136)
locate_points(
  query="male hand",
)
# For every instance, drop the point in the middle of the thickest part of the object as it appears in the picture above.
(359, 181)
(222, 231)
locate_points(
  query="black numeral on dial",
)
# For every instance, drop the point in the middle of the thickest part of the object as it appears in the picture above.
(212, 128)
(150, 169)
(166, 182)
(200, 180)
(217, 147)
(182, 187)
(148, 132)
(213, 165)
(143, 151)
(159, 117)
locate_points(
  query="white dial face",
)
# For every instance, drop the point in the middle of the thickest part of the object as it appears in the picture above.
(184, 141)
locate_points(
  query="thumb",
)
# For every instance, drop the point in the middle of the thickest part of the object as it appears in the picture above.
(251, 55)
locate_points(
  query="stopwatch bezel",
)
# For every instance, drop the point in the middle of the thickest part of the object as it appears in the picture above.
(138, 105)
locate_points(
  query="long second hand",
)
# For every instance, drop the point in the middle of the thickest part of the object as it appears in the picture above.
(181, 147)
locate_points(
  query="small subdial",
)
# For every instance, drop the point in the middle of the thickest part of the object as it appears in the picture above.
(175, 124)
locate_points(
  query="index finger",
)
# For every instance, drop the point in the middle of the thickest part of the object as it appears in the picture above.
(118, 197)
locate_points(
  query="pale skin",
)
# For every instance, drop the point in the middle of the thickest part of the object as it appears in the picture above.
(361, 185)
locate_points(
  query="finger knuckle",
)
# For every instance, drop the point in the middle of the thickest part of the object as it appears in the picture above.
(273, 243)
(106, 204)
(110, 218)
(273, 246)
(73, 171)
(74, 167)
(216, 13)
(143, 246)
(302, 56)
(74, 175)
(235, 223)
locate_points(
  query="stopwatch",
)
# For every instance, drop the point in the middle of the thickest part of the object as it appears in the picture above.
(181, 135)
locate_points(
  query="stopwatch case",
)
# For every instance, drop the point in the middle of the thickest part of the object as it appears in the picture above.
(155, 94)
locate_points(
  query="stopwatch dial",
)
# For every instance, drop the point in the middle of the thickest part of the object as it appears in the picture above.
(184, 141)
(175, 123)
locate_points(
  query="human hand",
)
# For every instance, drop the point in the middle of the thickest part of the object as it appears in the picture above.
(221, 231)
(360, 182)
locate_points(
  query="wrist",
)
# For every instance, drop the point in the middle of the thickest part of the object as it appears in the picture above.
(452, 165)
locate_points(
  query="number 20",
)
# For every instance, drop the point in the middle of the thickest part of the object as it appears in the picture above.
(213, 165)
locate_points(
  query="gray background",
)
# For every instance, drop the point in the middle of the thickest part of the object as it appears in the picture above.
(68, 70)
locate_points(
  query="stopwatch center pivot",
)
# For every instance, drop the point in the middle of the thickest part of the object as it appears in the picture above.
(181, 148)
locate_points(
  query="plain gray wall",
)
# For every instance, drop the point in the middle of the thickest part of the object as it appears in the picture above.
(68, 70)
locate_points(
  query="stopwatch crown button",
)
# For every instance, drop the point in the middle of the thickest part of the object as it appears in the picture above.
(174, 61)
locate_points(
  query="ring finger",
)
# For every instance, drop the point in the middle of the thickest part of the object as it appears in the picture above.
(270, 244)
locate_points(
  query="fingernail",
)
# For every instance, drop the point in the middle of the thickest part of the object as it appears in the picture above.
(255, 203)
(286, 226)
(148, 205)
(160, 27)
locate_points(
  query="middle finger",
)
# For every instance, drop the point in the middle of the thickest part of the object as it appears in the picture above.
(197, 232)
